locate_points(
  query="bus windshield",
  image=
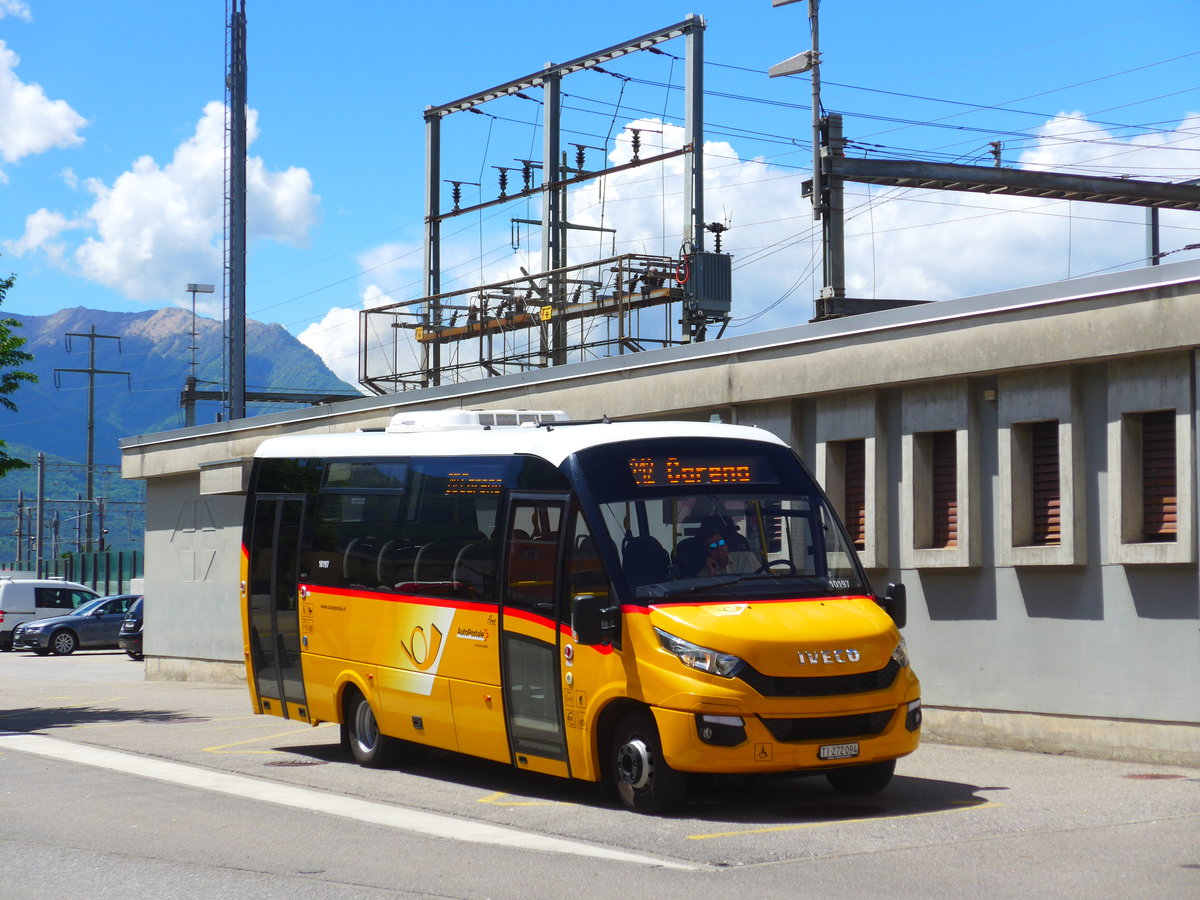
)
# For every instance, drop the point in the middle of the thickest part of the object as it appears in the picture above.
(726, 518)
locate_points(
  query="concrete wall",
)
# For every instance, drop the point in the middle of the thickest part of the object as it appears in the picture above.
(192, 618)
(1099, 631)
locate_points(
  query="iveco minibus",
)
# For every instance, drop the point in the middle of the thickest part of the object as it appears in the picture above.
(621, 601)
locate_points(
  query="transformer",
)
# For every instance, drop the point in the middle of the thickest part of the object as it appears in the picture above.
(708, 288)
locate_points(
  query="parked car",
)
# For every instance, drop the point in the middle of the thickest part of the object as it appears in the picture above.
(93, 626)
(130, 638)
(25, 599)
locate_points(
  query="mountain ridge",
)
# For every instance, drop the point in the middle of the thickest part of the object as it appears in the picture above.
(146, 358)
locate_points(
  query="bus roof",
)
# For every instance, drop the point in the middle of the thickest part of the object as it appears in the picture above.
(553, 442)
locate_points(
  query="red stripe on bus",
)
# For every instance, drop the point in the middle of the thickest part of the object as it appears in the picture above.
(389, 597)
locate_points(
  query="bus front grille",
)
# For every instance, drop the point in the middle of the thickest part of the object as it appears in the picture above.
(823, 685)
(835, 728)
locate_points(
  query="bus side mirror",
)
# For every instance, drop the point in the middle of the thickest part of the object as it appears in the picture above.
(592, 620)
(895, 604)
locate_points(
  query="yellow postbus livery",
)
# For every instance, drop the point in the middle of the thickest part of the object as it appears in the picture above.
(619, 601)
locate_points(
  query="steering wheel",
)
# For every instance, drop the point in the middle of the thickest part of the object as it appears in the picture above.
(771, 563)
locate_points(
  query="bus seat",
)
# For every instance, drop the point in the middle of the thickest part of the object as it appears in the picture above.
(644, 561)
(395, 564)
(435, 560)
(475, 568)
(360, 562)
(689, 557)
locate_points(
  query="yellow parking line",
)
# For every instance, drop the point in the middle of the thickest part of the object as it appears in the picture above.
(495, 800)
(983, 804)
(223, 748)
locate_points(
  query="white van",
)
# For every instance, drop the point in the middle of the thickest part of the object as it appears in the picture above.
(23, 599)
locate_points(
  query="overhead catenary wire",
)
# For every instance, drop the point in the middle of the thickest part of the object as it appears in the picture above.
(737, 132)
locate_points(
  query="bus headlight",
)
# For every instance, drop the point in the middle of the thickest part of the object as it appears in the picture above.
(700, 658)
(900, 654)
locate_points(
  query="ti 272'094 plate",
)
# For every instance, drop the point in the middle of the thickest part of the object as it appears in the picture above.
(837, 751)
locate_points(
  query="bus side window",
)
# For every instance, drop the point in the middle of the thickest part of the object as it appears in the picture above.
(533, 556)
(585, 570)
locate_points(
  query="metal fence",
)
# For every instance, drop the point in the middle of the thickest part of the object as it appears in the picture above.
(107, 572)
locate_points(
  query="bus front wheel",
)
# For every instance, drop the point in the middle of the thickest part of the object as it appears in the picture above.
(644, 781)
(369, 747)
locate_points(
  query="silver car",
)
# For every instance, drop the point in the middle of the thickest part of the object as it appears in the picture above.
(95, 625)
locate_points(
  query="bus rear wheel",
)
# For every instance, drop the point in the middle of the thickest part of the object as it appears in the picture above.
(644, 781)
(369, 747)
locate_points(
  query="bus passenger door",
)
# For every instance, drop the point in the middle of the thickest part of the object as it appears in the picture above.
(530, 635)
(274, 615)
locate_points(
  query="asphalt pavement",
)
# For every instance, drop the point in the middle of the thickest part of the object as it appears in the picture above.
(276, 808)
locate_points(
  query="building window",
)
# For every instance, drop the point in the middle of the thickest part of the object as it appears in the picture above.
(1160, 491)
(851, 462)
(854, 505)
(1045, 485)
(943, 470)
(940, 475)
(1152, 460)
(1042, 512)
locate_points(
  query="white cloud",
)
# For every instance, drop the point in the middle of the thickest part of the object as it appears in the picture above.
(33, 123)
(158, 226)
(335, 340)
(394, 263)
(15, 8)
(42, 229)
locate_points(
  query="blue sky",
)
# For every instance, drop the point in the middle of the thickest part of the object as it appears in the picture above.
(111, 123)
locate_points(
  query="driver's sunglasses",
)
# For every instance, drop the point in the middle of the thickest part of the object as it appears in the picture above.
(715, 544)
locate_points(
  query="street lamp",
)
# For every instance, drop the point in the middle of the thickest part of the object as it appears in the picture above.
(195, 289)
(189, 402)
(808, 61)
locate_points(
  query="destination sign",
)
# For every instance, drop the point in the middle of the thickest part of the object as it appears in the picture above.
(677, 471)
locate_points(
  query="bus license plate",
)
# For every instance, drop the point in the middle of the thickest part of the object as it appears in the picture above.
(837, 751)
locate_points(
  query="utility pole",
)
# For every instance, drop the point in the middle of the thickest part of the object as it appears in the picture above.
(41, 515)
(235, 208)
(20, 527)
(91, 371)
(827, 143)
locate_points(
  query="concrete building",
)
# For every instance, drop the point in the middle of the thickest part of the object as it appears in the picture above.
(1025, 462)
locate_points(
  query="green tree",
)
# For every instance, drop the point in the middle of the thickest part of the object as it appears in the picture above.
(11, 356)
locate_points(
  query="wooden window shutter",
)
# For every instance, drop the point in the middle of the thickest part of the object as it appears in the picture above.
(855, 479)
(944, 478)
(1159, 491)
(1045, 483)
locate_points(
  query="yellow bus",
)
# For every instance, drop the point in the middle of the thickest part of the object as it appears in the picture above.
(620, 601)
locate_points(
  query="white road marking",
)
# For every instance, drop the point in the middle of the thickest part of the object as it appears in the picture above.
(317, 801)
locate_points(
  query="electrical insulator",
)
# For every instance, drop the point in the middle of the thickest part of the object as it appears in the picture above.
(503, 180)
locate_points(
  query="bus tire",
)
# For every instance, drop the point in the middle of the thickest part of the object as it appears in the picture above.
(369, 747)
(869, 779)
(644, 781)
